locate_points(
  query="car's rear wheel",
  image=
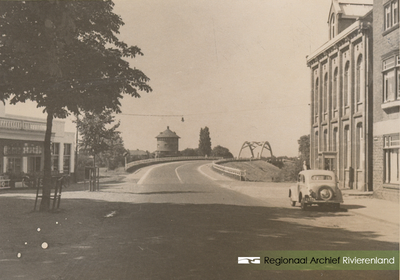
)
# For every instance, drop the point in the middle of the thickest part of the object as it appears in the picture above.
(325, 193)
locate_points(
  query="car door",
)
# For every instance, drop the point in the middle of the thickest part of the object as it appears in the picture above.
(301, 184)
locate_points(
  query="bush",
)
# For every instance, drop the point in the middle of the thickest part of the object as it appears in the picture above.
(290, 171)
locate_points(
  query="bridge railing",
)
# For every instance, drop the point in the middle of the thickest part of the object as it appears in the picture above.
(145, 162)
(230, 171)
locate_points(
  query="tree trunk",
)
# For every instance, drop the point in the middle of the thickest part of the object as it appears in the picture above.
(46, 192)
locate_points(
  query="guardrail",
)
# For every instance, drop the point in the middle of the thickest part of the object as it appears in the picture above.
(241, 174)
(141, 163)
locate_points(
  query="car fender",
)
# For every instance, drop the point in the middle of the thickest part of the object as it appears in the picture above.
(338, 195)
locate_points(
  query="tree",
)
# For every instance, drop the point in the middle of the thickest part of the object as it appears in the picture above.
(205, 142)
(66, 57)
(220, 151)
(114, 156)
(96, 137)
(188, 152)
(291, 169)
(304, 148)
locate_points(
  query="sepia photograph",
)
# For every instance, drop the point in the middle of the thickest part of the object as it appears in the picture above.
(199, 139)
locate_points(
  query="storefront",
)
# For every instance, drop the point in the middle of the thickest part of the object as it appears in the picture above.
(21, 156)
(22, 146)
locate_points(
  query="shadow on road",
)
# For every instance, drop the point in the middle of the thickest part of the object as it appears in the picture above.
(93, 239)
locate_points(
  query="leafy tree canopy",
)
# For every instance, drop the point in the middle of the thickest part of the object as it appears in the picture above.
(96, 134)
(114, 156)
(65, 56)
(304, 148)
(219, 151)
(189, 152)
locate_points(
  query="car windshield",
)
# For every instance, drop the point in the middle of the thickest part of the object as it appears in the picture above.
(321, 178)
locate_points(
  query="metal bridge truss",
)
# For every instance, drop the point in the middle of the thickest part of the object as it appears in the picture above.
(254, 144)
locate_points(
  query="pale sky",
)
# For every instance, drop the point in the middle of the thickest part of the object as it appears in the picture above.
(235, 66)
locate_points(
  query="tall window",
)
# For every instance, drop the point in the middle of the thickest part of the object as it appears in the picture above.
(391, 14)
(332, 26)
(334, 89)
(334, 139)
(316, 145)
(325, 96)
(358, 145)
(55, 155)
(392, 158)
(67, 157)
(325, 148)
(346, 85)
(359, 79)
(391, 79)
(316, 93)
(346, 146)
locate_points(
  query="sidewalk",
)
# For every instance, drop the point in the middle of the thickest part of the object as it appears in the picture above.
(355, 202)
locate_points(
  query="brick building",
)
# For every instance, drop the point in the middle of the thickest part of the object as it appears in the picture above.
(386, 99)
(341, 90)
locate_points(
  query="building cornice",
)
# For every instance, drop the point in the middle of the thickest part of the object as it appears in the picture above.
(339, 42)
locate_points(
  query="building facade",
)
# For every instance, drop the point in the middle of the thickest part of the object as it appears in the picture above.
(341, 93)
(167, 143)
(21, 145)
(386, 98)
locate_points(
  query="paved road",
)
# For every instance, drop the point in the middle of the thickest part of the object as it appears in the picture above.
(176, 221)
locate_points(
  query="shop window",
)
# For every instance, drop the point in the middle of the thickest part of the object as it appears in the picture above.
(14, 165)
(67, 158)
(55, 156)
(67, 149)
(67, 162)
(34, 164)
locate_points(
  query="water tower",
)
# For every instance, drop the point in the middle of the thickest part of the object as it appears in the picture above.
(167, 143)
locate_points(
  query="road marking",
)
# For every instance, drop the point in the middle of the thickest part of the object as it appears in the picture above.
(176, 172)
(202, 172)
(140, 182)
(145, 175)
